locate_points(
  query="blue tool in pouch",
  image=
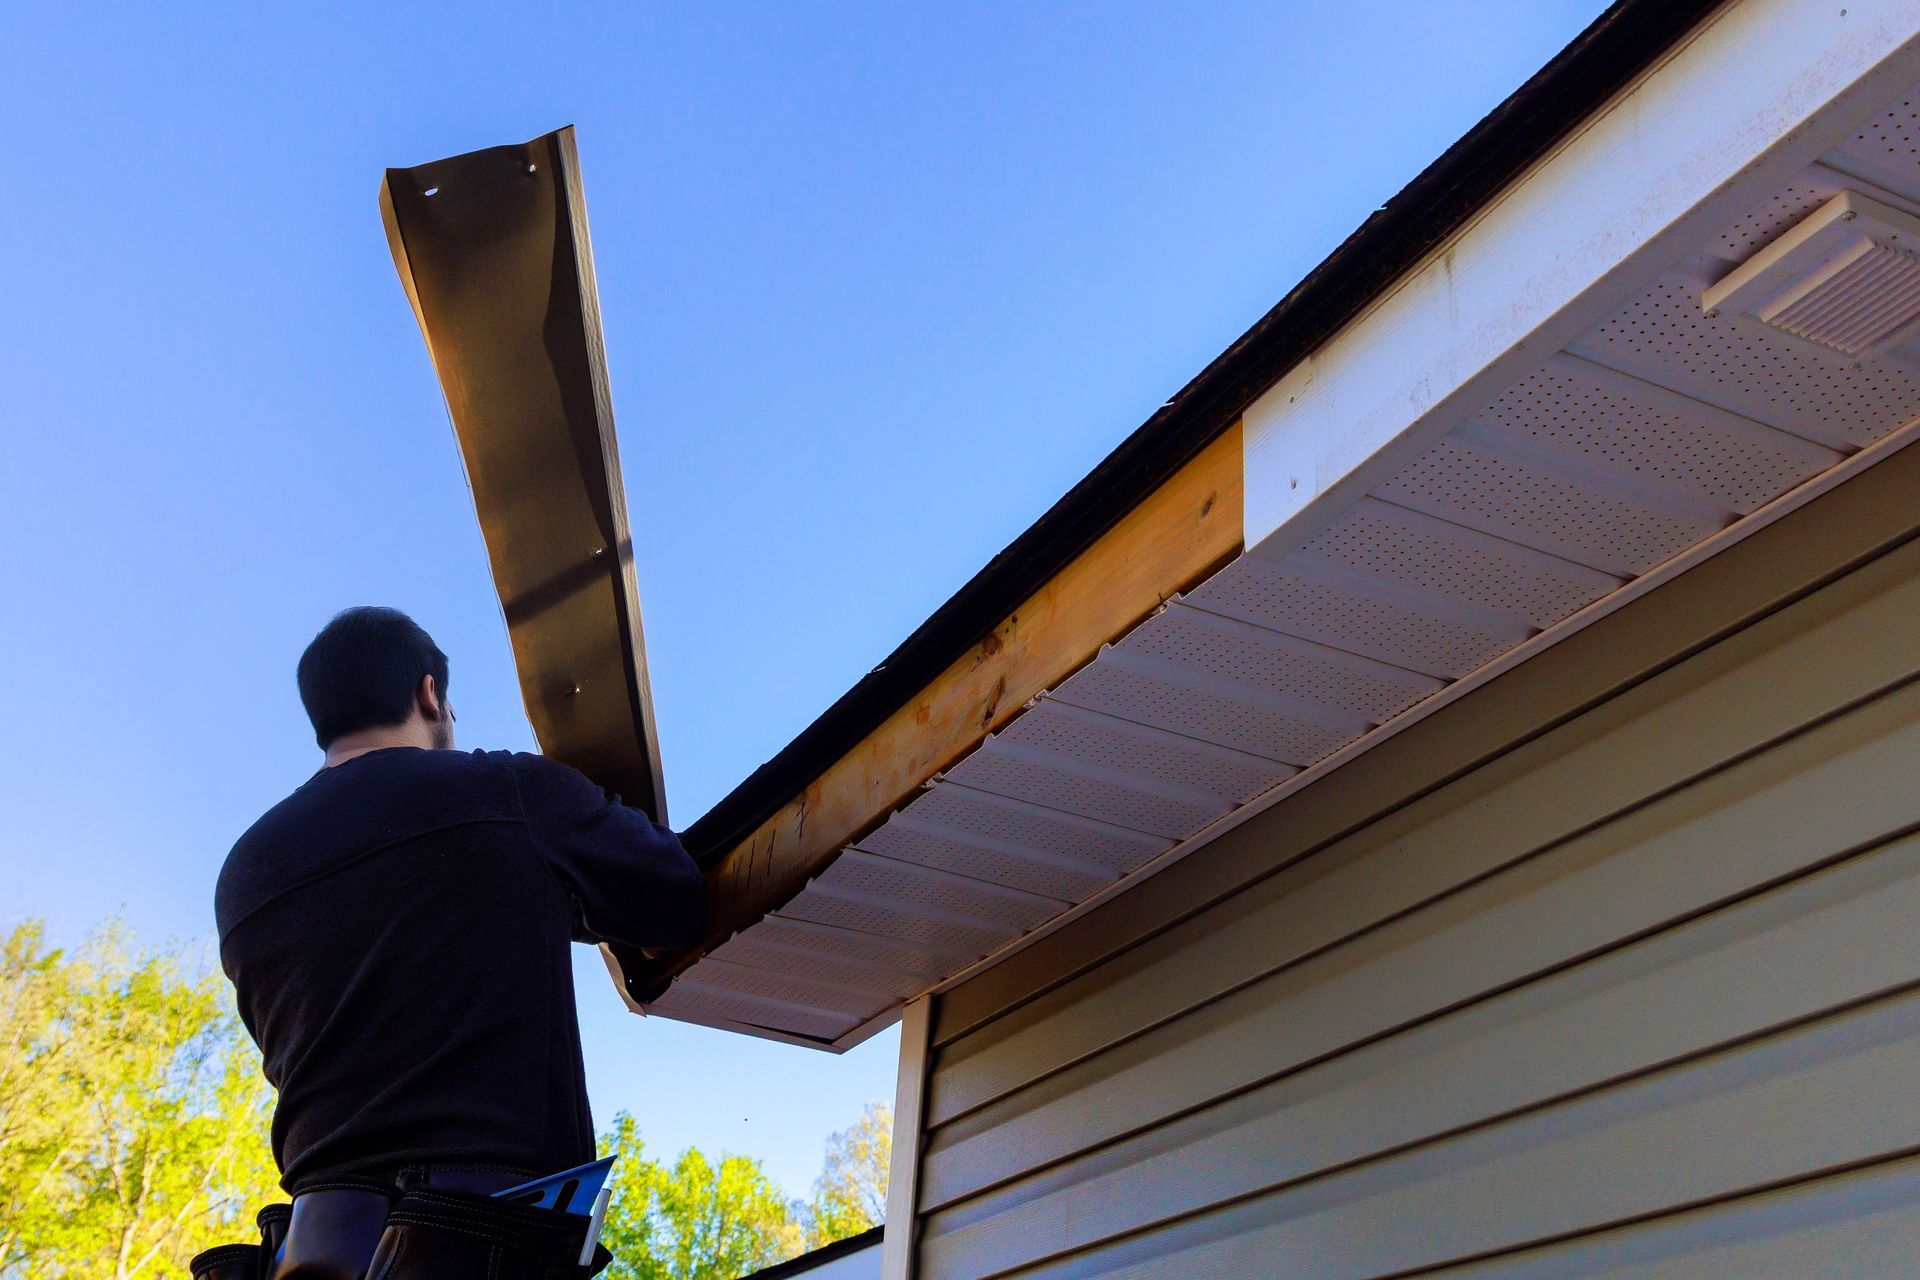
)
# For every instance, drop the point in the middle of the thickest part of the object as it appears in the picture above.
(582, 1191)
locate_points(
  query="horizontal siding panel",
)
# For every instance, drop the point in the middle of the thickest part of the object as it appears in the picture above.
(1730, 975)
(1861, 1224)
(1761, 683)
(1818, 1099)
(1833, 788)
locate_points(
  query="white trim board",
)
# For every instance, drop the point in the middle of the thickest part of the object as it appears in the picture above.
(903, 1172)
(1758, 93)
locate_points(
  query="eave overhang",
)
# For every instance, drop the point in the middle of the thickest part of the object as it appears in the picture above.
(1498, 413)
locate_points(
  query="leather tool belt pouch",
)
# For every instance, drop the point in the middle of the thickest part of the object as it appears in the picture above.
(441, 1235)
(228, 1262)
(428, 1234)
(273, 1220)
(325, 1234)
(330, 1235)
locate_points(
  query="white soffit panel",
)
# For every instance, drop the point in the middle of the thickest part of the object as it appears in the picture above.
(691, 1000)
(1420, 552)
(1587, 411)
(1092, 791)
(1140, 752)
(967, 937)
(850, 947)
(967, 853)
(804, 989)
(1206, 708)
(1337, 686)
(1304, 600)
(1759, 228)
(935, 892)
(1663, 337)
(1017, 823)
(1885, 151)
(880, 982)
(1484, 481)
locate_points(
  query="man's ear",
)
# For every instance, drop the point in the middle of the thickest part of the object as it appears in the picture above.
(426, 700)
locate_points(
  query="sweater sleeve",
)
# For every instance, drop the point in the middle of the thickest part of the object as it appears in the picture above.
(628, 877)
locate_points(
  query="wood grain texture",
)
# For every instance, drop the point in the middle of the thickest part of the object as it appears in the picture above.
(1187, 528)
(494, 252)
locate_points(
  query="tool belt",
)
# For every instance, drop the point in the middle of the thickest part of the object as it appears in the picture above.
(436, 1232)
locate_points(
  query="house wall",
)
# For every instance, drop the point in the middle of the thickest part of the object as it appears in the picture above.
(1606, 969)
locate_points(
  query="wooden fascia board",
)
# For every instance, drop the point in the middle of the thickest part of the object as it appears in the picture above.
(498, 266)
(1184, 530)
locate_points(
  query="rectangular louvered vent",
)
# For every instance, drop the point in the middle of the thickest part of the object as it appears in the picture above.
(1844, 281)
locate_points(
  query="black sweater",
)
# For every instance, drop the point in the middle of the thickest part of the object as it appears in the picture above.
(397, 930)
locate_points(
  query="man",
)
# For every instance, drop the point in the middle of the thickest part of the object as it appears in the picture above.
(397, 934)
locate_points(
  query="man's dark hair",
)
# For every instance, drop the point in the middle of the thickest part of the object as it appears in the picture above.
(361, 671)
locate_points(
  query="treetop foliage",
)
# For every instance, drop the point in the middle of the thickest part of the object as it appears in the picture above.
(134, 1120)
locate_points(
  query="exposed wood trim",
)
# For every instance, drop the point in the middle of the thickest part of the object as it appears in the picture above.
(903, 1172)
(493, 250)
(1181, 533)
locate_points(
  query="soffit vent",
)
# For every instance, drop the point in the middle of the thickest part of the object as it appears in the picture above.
(1844, 282)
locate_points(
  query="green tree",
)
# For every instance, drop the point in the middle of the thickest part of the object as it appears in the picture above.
(133, 1123)
(697, 1219)
(133, 1116)
(850, 1194)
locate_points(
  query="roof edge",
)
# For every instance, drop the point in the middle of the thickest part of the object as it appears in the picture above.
(800, 1264)
(1615, 48)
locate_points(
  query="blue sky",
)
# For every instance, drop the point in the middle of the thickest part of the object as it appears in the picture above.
(880, 282)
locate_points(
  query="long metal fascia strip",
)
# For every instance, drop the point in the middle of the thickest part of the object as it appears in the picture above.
(493, 250)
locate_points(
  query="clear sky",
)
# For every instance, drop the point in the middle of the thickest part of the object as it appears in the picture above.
(880, 282)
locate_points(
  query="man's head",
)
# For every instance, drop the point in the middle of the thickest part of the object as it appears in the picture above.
(374, 677)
